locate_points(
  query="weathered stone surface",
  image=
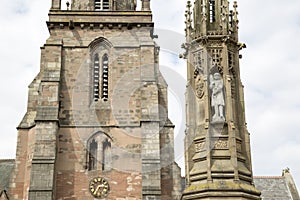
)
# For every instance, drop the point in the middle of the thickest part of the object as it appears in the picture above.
(217, 143)
(92, 117)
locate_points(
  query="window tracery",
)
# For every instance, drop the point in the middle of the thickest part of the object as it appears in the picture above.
(99, 156)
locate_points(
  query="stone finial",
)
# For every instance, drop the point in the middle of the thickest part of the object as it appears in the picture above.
(56, 5)
(188, 20)
(286, 170)
(146, 5)
(68, 5)
(235, 12)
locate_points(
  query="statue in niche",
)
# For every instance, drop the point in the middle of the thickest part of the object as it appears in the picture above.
(217, 97)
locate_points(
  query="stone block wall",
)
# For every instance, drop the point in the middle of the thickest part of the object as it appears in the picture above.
(55, 157)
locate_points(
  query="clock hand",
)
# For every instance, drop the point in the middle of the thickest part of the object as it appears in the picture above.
(98, 187)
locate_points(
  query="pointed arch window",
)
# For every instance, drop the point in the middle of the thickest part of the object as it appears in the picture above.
(99, 153)
(96, 77)
(104, 91)
(100, 77)
(93, 155)
(212, 11)
(101, 5)
(106, 155)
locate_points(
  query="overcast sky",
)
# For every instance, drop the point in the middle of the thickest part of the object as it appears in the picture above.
(269, 68)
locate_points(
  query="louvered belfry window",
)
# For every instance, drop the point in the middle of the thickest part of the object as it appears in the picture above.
(101, 5)
(104, 91)
(96, 77)
(100, 77)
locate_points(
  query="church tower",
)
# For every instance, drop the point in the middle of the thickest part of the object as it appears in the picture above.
(97, 122)
(217, 144)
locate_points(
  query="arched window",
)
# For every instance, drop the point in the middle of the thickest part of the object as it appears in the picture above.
(106, 155)
(212, 11)
(93, 155)
(96, 77)
(101, 5)
(104, 91)
(99, 155)
(100, 90)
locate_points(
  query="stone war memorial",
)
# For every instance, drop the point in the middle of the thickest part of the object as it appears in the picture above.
(97, 126)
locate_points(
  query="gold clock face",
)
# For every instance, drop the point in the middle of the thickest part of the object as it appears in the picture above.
(99, 187)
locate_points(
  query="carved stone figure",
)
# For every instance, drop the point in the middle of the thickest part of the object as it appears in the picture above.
(217, 97)
(199, 86)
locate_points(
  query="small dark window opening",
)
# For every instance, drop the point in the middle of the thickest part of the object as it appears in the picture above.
(106, 151)
(96, 77)
(212, 11)
(104, 91)
(93, 155)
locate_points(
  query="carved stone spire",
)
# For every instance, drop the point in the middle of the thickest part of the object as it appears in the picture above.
(217, 144)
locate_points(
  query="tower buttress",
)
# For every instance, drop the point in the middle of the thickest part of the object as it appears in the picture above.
(217, 144)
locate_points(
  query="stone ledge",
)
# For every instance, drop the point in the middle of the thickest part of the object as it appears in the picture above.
(222, 189)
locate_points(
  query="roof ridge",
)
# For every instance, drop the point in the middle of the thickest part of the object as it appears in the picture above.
(7, 160)
(273, 177)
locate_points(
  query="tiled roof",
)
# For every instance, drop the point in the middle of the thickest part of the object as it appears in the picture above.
(6, 167)
(273, 188)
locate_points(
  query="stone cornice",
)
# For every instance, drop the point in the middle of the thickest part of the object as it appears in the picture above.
(97, 25)
(104, 17)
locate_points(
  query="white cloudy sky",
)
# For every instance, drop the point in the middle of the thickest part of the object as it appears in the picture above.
(270, 71)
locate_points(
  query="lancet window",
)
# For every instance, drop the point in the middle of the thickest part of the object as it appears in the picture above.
(212, 11)
(100, 77)
(96, 77)
(99, 153)
(92, 155)
(104, 91)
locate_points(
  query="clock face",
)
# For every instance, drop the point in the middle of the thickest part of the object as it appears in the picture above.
(99, 187)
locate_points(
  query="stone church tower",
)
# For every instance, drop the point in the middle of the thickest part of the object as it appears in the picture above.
(97, 122)
(217, 144)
